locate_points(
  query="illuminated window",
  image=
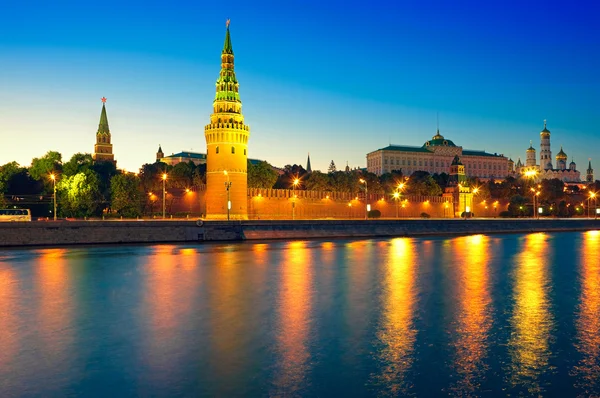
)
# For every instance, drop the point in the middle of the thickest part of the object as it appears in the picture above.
(244, 152)
(232, 149)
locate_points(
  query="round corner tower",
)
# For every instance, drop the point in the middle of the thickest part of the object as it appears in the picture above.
(227, 146)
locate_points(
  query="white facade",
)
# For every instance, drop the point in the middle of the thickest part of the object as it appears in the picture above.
(435, 156)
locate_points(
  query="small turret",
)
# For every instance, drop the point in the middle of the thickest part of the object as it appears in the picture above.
(308, 167)
(561, 159)
(530, 159)
(572, 165)
(590, 172)
(159, 154)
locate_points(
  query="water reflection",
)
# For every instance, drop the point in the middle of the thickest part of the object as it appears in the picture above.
(532, 320)
(474, 317)
(588, 323)
(294, 306)
(55, 311)
(398, 332)
(9, 336)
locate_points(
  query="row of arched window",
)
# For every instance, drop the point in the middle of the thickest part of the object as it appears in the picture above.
(232, 151)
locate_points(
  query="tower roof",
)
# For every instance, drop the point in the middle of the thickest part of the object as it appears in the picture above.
(545, 130)
(590, 165)
(456, 161)
(561, 154)
(308, 168)
(159, 149)
(439, 140)
(227, 48)
(103, 125)
(531, 148)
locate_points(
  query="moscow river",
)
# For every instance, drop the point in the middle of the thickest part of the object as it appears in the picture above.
(463, 316)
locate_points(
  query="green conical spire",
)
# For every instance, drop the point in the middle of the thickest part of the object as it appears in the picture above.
(227, 85)
(227, 48)
(103, 126)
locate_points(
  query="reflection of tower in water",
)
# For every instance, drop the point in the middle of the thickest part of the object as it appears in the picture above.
(474, 317)
(531, 321)
(588, 322)
(293, 331)
(397, 332)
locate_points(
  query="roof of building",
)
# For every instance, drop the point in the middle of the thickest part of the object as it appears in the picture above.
(561, 154)
(545, 130)
(470, 152)
(404, 148)
(190, 155)
(438, 140)
(197, 155)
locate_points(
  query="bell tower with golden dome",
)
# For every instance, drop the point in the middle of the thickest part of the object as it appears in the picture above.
(227, 146)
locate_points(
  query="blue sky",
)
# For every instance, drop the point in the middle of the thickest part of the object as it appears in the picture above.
(335, 79)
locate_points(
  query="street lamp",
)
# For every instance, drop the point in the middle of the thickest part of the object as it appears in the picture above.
(53, 177)
(397, 196)
(164, 179)
(187, 194)
(294, 184)
(536, 193)
(227, 187)
(362, 180)
(592, 196)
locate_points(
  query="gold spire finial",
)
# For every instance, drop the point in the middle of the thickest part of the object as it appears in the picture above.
(544, 123)
(227, 23)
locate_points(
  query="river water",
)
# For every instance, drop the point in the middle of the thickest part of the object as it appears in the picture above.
(463, 316)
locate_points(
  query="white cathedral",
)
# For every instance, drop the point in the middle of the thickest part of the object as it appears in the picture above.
(544, 169)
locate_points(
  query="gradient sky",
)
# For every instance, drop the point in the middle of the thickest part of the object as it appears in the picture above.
(336, 79)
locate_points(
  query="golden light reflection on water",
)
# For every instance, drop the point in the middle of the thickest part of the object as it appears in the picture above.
(531, 321)
(167, 301)
(55, 311)
(588, 322)
(398, 331)
(294, 306)
(9, 336)
(474, 317)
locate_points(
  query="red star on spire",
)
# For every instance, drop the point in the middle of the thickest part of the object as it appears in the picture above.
(103, 99)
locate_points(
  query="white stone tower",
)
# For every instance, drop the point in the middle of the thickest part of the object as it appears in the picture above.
(545, 151)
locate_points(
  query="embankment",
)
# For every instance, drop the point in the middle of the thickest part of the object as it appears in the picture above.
(61, 233)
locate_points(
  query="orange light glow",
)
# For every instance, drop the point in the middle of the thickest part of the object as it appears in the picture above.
(532, 321)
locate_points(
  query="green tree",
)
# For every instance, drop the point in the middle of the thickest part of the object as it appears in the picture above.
(518, 206)
(79, 195)
(182, 175)
(79, 162)
(261, 175)
(7, 172)
(332, 168)
(127, 195)
(422, 183)
(42, 167)
(317, 181)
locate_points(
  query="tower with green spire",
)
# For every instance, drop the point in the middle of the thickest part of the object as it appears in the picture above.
(590, 172)
(227, 146)
(103, 150)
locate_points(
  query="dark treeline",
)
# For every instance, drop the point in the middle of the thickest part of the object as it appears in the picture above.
(85, 188)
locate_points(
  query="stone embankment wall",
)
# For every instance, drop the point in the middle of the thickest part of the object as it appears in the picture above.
(114, 232)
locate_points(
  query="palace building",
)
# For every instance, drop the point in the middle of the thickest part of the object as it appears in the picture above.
(436, 156)
(103, 151)
(544, 169)
(227, 146)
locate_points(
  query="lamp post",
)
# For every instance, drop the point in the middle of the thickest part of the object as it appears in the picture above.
(53, 177)
(362, 180)
(592, 196)
(536, 193)
(397, 196)
(187, 194)
(400, 189)
(294, 184)
(164, 178)
(227, 187)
